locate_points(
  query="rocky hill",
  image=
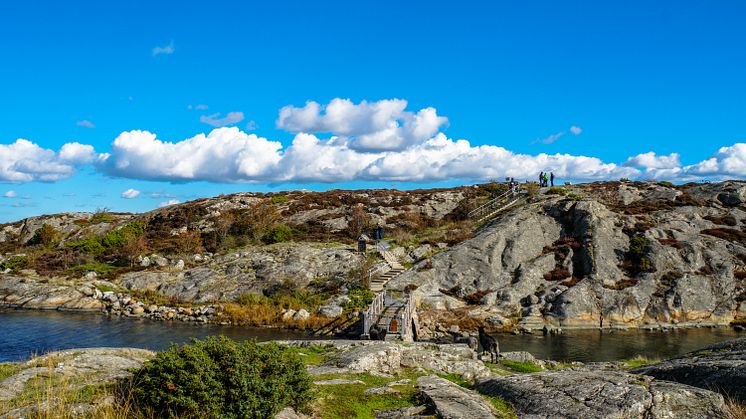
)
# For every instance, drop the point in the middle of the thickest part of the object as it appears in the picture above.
(615, 254)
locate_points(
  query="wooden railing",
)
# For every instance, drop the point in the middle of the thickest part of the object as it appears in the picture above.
(406, 318)
(488, 207)
(370, 314)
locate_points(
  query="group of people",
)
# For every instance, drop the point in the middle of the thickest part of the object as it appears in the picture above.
(546, 179)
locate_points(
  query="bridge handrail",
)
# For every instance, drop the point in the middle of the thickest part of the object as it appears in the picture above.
(406, 317)
(373, 311)
(491, 202)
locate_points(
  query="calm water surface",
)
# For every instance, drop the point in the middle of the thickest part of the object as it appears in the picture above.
(23, 333)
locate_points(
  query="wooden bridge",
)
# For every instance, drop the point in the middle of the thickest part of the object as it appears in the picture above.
(397, 316)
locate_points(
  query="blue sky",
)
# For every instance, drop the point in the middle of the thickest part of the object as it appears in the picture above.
(631, 77)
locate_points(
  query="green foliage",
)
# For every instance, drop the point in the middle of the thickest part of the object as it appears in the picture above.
(45, 236)
(639, 248)
(104, 288)
(505, 408)
(7, 369)
(557, 190)
(279, 233)
(98, 267)
(350, 400)
(279, 199)
(15, 263)
(220, 378)
(524, 367)
(359, 298)
(102, 215)
(638, 361)
(666, 184)
(113, 239)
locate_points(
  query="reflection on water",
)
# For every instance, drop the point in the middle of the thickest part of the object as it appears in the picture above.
(594, 345)
(26, 332)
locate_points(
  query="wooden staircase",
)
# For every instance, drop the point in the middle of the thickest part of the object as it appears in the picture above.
(495, 206)
(378, 283)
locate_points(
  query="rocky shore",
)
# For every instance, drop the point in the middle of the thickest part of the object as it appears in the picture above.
(610, 255)
(448, 381)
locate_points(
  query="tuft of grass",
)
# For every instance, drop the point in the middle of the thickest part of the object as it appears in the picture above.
(734, 409)
(457, 379)
(350, 400)
(312, 355)
(505, 409)
(7, 369)
(98, 267)
(639, 361)
(522, 367)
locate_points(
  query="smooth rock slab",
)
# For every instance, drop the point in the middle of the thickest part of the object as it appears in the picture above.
(602, 394)
(720, 367)
(452, 401)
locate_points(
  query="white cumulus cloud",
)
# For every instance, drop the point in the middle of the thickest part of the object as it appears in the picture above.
(169, 202)
(10, 194)
(384, 125)
(224, 155)
(650, 160)
(130, 193)
(215, 120)
(24, 161)
(576, 130)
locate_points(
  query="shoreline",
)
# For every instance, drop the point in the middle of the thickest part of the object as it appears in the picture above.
(659, 327)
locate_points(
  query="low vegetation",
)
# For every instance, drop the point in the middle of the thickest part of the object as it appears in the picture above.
(218, 377)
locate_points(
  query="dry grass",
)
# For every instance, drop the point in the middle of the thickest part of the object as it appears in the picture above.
(734, 409)
(52, 395)
(268, 314)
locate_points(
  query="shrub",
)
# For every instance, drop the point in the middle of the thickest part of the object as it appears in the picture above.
(359, 298)
(557, 190)
(279, 199)
(637, 260)
(279, 233)
(666, 184)
(102, 215)
(46, 236)
(15, 263)
(218, 377)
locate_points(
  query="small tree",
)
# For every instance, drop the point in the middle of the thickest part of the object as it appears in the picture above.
(45, 236)
(359, 221)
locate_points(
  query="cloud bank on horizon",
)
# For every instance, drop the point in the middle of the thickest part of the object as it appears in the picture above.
(337, 142)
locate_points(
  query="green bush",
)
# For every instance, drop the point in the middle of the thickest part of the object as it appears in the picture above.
(359, 298)
(113, 239)
(557, 190)
(218, 377)
(46, 236)
(666, 184)
(279, 199)
(279, 233)
(98, 267)
(15, 263)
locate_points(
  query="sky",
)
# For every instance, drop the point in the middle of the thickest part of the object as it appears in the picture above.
(134, 105)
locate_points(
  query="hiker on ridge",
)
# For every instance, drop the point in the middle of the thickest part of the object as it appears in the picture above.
(541, 179)
(551, 178)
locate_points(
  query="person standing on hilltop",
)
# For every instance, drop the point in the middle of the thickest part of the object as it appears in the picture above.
(541, 179)
(551, 178)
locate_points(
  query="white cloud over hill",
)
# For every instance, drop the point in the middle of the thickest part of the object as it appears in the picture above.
(342, 141)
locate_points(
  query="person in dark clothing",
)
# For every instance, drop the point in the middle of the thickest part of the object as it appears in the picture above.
(551, 178)
(541, 179)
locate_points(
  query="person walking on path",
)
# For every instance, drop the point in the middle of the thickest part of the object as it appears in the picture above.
(541, 179)
(551, 178)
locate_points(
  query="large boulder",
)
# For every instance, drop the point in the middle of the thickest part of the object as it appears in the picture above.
(452, 401)
(720, 367)
(594, 394)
